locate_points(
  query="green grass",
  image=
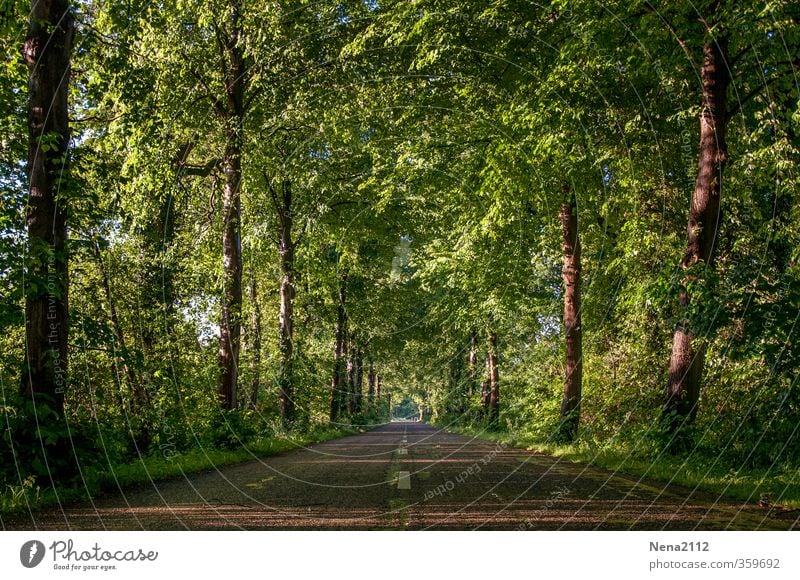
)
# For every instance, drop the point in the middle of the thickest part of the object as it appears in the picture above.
(156, 467)
(782, 486)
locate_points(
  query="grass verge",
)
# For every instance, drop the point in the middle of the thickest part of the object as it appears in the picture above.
(781, 487)
(157, 467)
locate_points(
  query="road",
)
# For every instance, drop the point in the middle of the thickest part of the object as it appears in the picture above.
(407, 476)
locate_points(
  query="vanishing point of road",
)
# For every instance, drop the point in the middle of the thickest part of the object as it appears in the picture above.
(412, 476)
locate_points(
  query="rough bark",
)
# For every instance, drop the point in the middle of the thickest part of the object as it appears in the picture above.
(255, 344)
(571, 275)
(687, 358)
(286, 318)
(231, 318)
(230, 323)
(46, 52)
(338, 381)
(494, 380)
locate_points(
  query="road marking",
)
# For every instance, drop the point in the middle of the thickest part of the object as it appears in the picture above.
(402, 451)
(404, 480)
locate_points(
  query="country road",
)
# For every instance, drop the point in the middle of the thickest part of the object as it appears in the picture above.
(407, 476)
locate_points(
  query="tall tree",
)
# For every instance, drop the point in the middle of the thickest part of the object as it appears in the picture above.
(133, 384)
(339, 379)
(493, 402)
(486, 384)
(351, 351)
(232, 112)
(255, 343)
(370, 383)
(47, 51)
(287, 245)
(571, 274)
(472, 363)
(358, 379)
(704, 35)
(686, 361)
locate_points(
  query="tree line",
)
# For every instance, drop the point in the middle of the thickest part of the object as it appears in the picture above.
(227, 216)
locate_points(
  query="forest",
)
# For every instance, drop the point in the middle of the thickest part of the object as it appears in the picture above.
(232, 226)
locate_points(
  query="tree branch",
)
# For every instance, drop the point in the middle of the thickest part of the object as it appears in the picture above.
(349, 202)
(210, 95)
(302, 234)
(222, 43)
(736, 57)
(183, 167)
(757, 91)
(686, 50)
(272, 193)
(252, 97)
(104, 120)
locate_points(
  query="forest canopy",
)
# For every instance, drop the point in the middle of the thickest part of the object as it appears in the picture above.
(230, 221)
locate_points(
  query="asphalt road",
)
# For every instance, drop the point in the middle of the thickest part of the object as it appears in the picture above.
(408, 476)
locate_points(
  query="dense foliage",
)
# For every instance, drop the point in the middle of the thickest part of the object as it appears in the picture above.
(371, 201)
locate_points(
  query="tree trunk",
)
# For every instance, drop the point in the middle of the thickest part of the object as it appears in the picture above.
(358, 383)
(472, 363)
(156, 277)
(371, 383)
(230, 323)
(47, 54)
(286, 319)
(485, 386)
(138, 394)
(494, 380)
(686, 361)
(571, 274)
(351, 373)
(231, 319)
(455, 396)
(338, 381)
(255, 343)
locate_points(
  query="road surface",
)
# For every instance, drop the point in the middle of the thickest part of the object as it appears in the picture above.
(407, 476)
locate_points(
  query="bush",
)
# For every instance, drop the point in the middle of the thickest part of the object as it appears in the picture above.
(230, 429)
(41, 443)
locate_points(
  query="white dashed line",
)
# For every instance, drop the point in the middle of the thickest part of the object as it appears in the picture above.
(402, 451)
(404, 480)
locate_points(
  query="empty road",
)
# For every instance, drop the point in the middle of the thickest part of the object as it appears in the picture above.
(407, 476)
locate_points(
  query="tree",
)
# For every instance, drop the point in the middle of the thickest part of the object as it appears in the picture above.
(493, 402)
(231, 110)
(472, 363)
(339, 378)
(705, 34)
(571, 273)
(255, 343)
(286, 250)
(47, 53)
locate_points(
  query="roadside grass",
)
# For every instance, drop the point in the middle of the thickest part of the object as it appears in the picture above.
(158, 466)
(780, 485)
